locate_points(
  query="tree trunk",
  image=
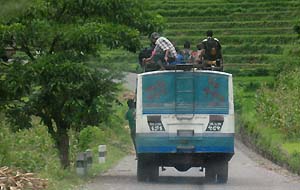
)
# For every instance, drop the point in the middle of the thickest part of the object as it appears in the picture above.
(62, 143)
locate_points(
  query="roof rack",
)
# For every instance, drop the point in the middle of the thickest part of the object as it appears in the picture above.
(188, 67)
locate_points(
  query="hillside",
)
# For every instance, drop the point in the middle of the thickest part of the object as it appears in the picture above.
(254, 34)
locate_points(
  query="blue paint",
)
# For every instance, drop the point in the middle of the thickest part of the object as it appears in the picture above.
(163, 144)
(185, 93)
(173, 149)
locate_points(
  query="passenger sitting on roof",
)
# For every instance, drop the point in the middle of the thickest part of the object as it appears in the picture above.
(179, 60)
(195, 57)
(187, 52)
(210, 51)
(164, 51)
(145, 53)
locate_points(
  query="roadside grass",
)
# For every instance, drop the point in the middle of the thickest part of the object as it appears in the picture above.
(114, 154)
(292, 147)
(270, 142)
(259, 134)
(63, 180)
(32, 150)
(69, 179)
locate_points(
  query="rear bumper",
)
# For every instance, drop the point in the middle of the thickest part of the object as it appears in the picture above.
(201, 143)
(183, 161)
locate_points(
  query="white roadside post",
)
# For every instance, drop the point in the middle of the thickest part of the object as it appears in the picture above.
(81, 165)
(89, 158)
(102, 153)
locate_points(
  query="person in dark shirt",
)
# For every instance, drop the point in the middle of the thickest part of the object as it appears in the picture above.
(210, 51)
(130, 116)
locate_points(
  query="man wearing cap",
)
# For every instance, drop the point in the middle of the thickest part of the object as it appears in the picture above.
(163, 52)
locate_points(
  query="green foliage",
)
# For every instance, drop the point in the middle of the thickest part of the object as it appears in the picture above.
(56, 84)
(91, 137)
(31, 150)
(70, 91)
(294, 161)
(5, 142)
(78, 26)
(292, 147)
(270, 105)
(113, 132)
(260, 131)
(269, 141)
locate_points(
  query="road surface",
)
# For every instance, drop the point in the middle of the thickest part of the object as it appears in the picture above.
(247, 171)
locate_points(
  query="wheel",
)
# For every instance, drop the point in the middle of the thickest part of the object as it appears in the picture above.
(153, 172)
(141, 170)
(222, 174)
(210, 173)
(147, 168)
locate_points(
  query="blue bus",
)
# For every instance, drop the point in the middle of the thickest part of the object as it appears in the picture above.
(184, 119)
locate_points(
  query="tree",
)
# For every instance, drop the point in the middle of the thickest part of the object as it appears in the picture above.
(56, 84)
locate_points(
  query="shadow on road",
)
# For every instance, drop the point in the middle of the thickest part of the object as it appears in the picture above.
(171, 180)
(181, 180)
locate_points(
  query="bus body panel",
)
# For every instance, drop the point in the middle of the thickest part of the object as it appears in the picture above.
(185, 117)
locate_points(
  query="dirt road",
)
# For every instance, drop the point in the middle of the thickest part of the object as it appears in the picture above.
(247, 171)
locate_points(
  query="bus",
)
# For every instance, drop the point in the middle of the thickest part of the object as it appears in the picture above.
(184, 119)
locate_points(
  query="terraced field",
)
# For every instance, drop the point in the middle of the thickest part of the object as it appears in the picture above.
(254, 34)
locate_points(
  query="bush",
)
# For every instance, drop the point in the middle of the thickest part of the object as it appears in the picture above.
(30, 149)
(270, 103)
(91, 136)
(294, 162)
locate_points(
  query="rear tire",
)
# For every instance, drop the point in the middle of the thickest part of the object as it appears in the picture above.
(153, 172)
(222, 174)
(147, 168)
(210, 173)
(141, 171)
(216, 171)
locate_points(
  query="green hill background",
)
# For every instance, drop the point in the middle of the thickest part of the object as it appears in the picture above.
(254, 34)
